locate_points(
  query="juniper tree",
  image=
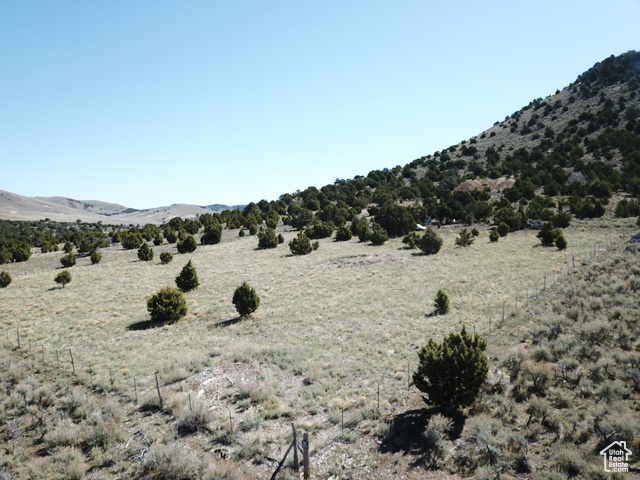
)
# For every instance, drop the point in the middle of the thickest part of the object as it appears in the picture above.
(379, 235)
(465, 238)
(245, 299)
(165, 257)
(561, 242)
(503, 229)
(212, 234)
(188, 278)
(167, 306)
(145, 253)
(267, 238)
(431, 242)
(451, 373)
(63, 278)
(301, 245)
(188, 245)
(5, 279)
(343, 234)
(441, 302)
(69, 260)
(95, 257)
(131, 239)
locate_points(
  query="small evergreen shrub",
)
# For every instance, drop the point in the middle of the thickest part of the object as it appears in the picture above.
(267, 238)
(364, 232)
(158, 240)
(95, 257)
(145, 253)
(411, 239)
(21, 253)
(167, 306)
(548, 234)
(188, 245)
(63, 278)
(431, 242)
(187, 280)
(245, 299)
(475, 232)
(253, 229)
(212, 234)
(494, 236)
(301, 245)
(441, 302)
(170, 236)
(379, 235)
(503, 229)
(280, 238)
(5, 279)
(320, 231)
(357, 224)
(451, 373)
(165, 257)
(131, 239)
(241, 233)
(343, 234)
(68, 247)
(465, 238)
(68, 261)
(561, 242)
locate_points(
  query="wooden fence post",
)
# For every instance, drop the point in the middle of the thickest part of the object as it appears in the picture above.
(296, 462)
(73, 364)
(305, 455)
(159, 394)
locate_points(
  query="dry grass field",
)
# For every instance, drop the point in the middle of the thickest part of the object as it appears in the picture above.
(330, 347)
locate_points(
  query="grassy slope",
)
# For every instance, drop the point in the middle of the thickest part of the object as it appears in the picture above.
(331, 327)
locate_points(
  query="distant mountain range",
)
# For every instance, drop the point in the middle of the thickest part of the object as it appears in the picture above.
(61, 209)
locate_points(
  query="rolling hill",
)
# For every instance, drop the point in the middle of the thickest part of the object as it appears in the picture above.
(61, 209)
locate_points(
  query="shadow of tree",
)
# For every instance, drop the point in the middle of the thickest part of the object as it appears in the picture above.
(406, 432)
(228, 323)
(144, 325)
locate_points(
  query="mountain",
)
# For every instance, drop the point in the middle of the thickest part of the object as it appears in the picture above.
(61, 209)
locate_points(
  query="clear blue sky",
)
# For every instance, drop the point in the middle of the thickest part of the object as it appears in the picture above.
(150, 103)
